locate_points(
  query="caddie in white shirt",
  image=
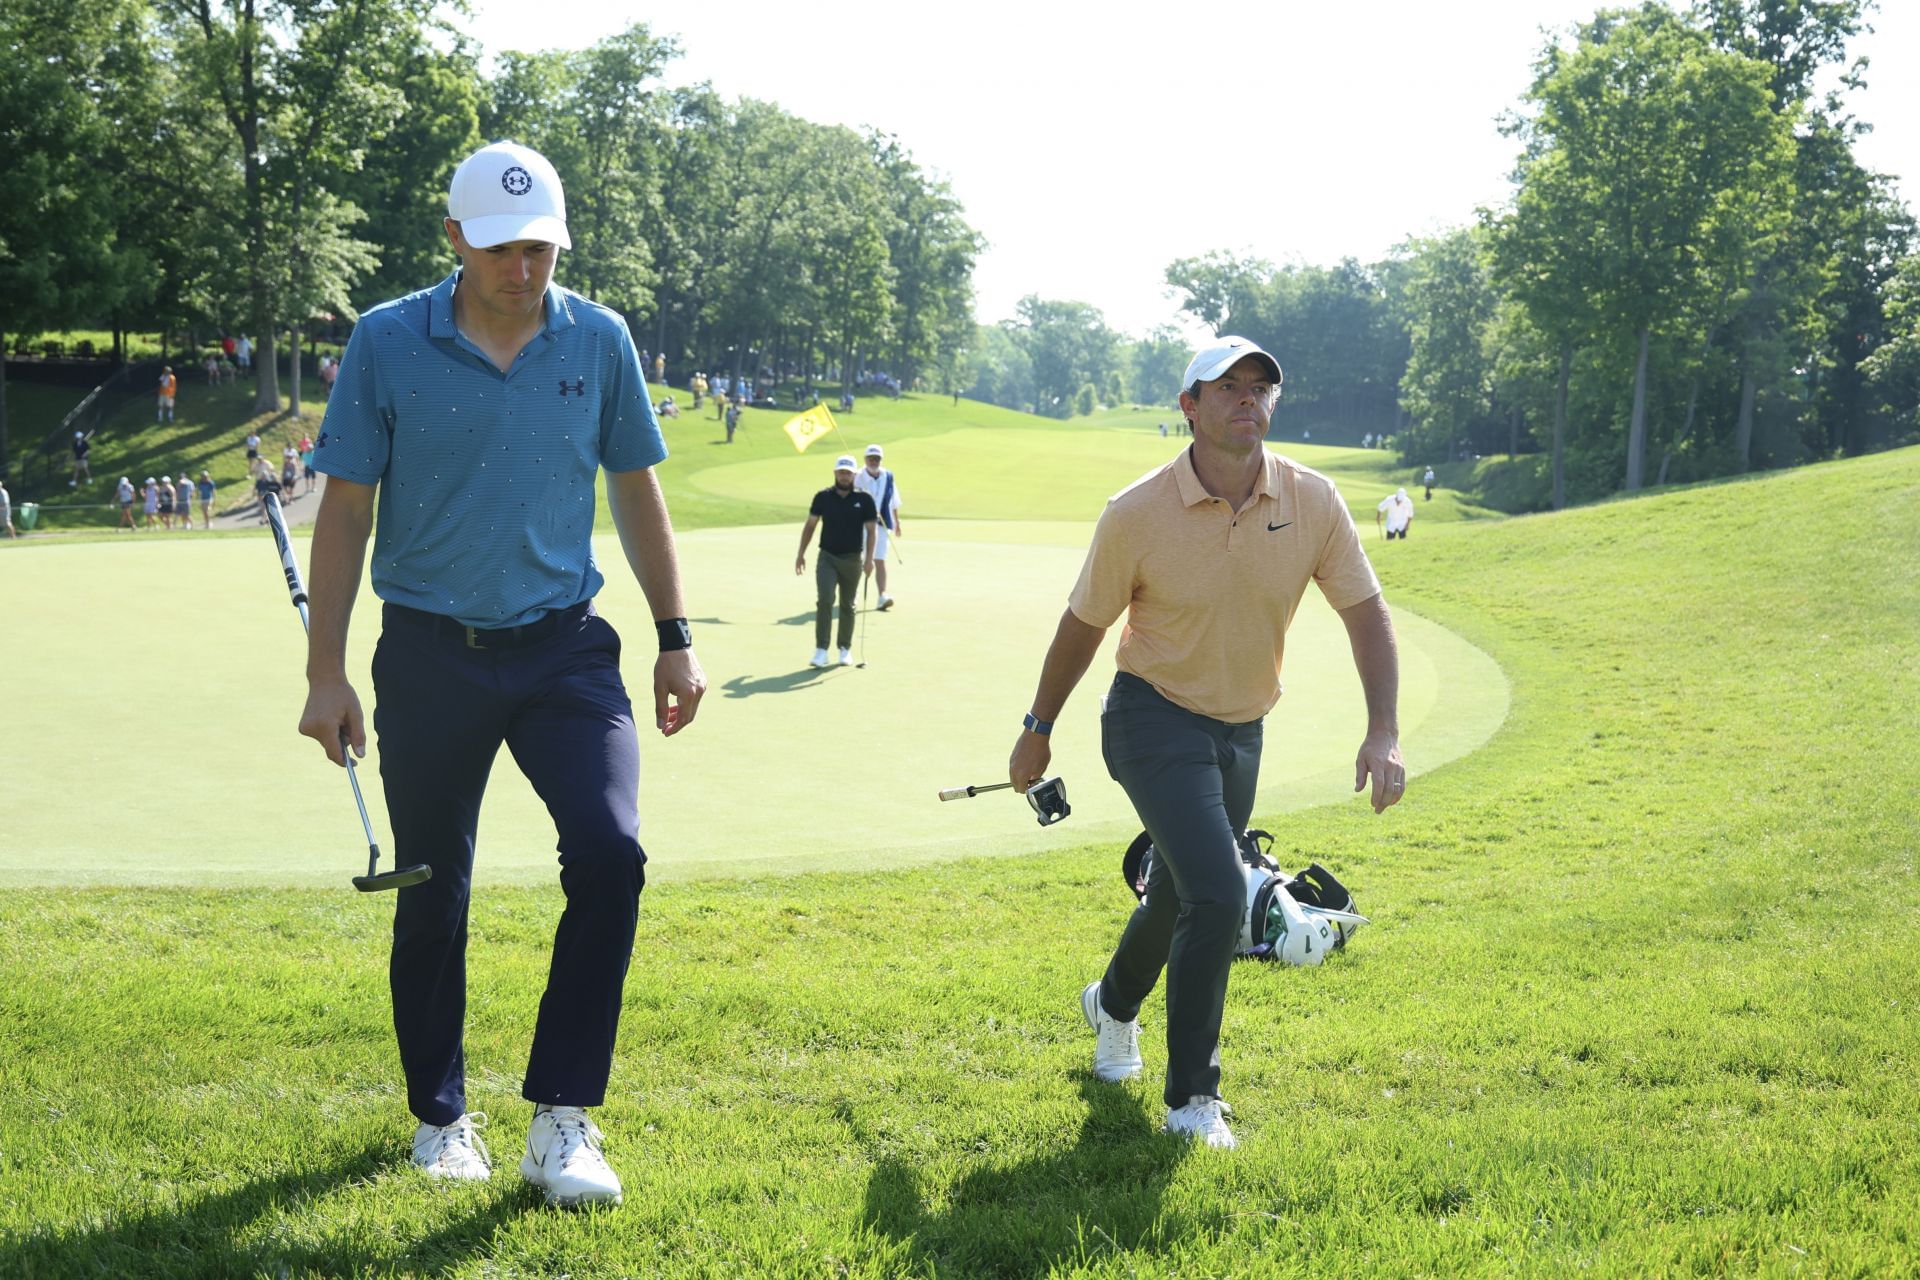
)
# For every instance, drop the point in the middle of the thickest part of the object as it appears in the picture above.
(879, 484)
(1397, 510)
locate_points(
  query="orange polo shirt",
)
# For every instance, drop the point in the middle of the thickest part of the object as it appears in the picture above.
(1209, 592)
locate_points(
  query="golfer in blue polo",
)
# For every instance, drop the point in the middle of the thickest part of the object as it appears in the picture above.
(475, 416)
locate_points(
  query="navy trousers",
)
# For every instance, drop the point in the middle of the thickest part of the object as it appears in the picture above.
(441, 710)
(1191, 780)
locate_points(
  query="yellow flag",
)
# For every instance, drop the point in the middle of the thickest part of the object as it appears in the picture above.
(803, 429)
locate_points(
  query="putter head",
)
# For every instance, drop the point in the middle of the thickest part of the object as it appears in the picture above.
(1049, 801)
(398, 878)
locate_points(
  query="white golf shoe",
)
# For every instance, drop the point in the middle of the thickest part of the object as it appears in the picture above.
(886, 602)
(819, 658)
(1116, 1048)
(453, 1150)
(563, 1159)
(1203, 1119)
(846, 657)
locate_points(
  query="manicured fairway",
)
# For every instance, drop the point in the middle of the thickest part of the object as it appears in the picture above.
(179, 681)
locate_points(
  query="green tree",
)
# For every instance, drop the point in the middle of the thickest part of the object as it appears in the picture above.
(402, 183)
(61, 257)
(1668, 151)
(596, 113)
(1449, 376)
(1893, 369)
(1069, 345)
(931, 250)
(999, 371)
(301, 86)
(1155, 364)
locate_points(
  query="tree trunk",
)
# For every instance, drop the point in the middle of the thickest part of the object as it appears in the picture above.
(1513, 431)
(1665, 458)
(1743, 430)
(1560, 428)
(266, 372)
(293, 365)
(1637, 425)
(3, 403)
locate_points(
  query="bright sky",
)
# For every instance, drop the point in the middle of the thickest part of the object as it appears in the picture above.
(1094, 144)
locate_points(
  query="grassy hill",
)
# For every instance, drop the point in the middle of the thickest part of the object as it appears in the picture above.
(1638, 999)
(991, 463)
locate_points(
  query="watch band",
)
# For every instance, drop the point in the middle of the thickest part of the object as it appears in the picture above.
(1033, 725)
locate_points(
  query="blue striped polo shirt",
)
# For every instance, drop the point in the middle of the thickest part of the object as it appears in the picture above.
(486, 479)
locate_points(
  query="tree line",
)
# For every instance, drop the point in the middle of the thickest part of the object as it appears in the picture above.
(1694, 275)
(265, 166)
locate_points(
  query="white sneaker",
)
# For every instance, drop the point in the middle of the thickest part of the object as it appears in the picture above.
(1116, 1053)
(846, 657)
(819, 658)
(453, 1150)
(563, 1159)
(1203, 1119)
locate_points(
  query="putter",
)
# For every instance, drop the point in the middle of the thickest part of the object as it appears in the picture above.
(1047, 798)
(373, 881)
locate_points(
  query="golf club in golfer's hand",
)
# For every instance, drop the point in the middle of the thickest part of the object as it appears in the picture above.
(1048, 798)
(400, 877)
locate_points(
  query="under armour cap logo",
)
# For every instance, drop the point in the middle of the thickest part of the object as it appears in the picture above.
(579, 387)
(517, 181)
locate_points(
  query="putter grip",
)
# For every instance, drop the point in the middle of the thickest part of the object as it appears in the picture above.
(955, 793)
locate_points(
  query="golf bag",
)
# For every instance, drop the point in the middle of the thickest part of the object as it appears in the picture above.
(1292, 919)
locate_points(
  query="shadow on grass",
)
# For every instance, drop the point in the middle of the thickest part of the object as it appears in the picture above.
(742, 687)
(199, 1238)
(1050, 1213)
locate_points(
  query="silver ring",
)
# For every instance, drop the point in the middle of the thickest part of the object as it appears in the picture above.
(1397, 785)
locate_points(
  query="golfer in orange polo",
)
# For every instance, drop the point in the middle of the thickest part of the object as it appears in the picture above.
(1207, 558)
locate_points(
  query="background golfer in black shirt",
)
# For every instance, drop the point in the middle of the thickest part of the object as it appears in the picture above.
(846, 550)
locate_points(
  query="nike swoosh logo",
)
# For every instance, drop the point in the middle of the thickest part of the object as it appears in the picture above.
(1272, 527)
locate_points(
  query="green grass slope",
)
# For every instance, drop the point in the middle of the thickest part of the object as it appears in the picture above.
(1638, 999)
(208, 432)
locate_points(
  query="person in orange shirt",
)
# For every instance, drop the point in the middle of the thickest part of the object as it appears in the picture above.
(1207, 559)
(169, 386)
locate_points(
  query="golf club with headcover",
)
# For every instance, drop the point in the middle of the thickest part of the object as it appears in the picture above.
(400, 877)
(1047, 798)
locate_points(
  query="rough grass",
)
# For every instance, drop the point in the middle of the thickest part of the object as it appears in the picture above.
(1638, 999)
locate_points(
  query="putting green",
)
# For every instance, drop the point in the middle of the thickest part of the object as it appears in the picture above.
(152, 731)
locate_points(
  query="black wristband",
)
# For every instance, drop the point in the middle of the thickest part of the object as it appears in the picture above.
(674, 634)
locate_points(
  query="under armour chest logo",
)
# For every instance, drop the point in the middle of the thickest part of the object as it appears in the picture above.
(579, 388)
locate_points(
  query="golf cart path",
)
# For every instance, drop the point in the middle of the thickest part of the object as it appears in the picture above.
(298, 510)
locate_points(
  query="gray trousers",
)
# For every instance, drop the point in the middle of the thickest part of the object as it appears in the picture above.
(1191, 780)
(833, 570)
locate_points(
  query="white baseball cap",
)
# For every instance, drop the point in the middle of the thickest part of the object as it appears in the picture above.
(875, 451)
(845, 462)
(508, 192)
(1220, 355)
